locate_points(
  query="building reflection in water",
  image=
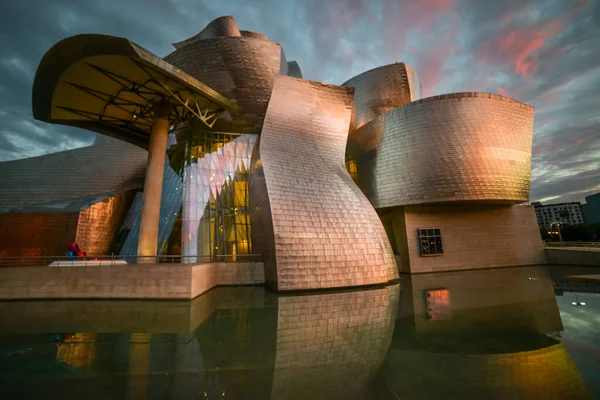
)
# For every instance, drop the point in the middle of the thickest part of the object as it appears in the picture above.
(77, 350)
(499, 340)
(490, 334)
(249, 344)
(329, 346)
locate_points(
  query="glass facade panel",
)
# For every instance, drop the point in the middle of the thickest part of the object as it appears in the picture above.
(205, 212)
(351, 168)
(216, 216)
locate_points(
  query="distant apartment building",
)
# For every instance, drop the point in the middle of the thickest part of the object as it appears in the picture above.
(592, 208)
(563, 213)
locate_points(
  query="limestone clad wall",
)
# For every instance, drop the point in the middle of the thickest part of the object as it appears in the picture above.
(36, 234)
(472, 237)
(326, 234)
(49, 233)
(457, 147)
(161, 281)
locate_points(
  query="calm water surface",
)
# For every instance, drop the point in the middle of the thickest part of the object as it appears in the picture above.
(529, 333)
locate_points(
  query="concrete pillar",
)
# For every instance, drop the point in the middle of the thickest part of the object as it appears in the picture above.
(148, 239)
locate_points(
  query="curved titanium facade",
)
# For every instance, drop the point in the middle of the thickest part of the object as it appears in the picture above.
(294, 69)
(71, 180)
(382, 89)
(458, 147)
(313, 225)
(222, 26)
(242, 69)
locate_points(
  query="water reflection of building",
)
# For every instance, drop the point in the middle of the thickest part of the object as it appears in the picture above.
(78, 350)
(575, 279)
(329, 346)
(245, 343)
(498, 340)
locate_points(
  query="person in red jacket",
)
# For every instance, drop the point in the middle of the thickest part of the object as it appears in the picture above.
(75, 253)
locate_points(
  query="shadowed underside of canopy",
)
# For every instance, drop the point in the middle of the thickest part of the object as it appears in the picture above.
(112, 86)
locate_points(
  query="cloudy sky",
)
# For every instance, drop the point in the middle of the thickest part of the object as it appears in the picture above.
(542, 52)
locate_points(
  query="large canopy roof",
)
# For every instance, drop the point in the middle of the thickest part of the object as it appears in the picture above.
(112, 86)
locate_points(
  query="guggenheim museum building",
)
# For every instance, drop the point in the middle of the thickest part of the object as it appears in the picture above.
(221, 151)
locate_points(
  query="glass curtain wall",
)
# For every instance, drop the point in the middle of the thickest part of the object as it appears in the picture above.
(205, 213)
(216, 212)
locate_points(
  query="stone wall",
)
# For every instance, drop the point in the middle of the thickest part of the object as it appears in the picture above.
(36, 234)
(161, 281)
(473, 237)
(49, 233)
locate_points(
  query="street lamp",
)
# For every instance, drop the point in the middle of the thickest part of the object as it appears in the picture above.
(577, 302)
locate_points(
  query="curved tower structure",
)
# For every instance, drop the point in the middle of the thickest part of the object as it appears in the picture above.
(459, 147)
(444, 172)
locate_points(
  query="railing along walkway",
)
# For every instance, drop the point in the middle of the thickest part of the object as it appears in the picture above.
(595, 246)
(95, 260)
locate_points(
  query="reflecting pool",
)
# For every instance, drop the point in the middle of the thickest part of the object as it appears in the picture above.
(528, 333)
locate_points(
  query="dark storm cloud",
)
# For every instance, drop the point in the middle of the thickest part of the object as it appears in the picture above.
(543, 52)
(29, 28)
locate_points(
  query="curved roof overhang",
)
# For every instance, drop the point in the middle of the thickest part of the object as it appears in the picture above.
(112, 86)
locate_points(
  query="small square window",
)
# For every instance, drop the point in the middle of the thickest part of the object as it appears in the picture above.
(430, 242)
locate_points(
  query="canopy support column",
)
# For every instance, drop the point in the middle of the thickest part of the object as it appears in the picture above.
(148, 238)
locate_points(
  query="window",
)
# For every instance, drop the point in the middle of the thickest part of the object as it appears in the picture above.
(351, 167)
(430, 242)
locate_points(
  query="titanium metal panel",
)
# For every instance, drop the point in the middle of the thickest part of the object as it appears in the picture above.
(459, 147)
(222, 26)
(382, 89)
(71, 180)
(325, 232)
(243, 69)
(294, 69)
